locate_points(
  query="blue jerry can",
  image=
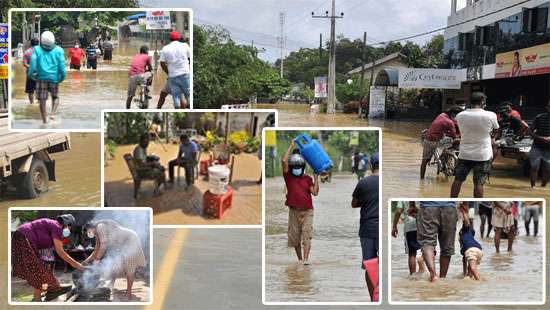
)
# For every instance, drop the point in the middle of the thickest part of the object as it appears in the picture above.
(313, 153)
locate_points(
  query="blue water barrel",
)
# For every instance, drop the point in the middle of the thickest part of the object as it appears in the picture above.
(313, 153)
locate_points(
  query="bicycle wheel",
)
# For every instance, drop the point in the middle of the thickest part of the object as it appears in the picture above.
(449, 162)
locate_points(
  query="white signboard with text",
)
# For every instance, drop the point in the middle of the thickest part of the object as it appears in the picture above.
(430, 78)
(158, 20)
(377, 102)
(320, 86)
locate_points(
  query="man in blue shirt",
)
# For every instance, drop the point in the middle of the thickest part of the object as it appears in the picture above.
(47, 67)
(187, 157)
(91, 57)
(436, 220)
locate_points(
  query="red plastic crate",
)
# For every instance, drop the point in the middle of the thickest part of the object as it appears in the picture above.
(204, 164)
(216, 206)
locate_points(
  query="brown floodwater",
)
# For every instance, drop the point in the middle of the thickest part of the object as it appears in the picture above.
(335, 273)
(84, 93)
(78, 177)
(506, 277)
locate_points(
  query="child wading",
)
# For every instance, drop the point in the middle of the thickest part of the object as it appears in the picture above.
(300, 188)
(408, 215)
(469, 248)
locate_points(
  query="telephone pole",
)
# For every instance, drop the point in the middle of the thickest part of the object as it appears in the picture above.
(282, 38)
(362, 83)
(331, 107)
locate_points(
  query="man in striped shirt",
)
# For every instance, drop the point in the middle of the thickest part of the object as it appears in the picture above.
(539, 156)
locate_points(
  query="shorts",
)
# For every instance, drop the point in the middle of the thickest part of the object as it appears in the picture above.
(136, 80)
(533, 212)
(482, 169)
(411, 243)
(179, 86)
(300, 227)
(166, 89)
(538, 155)
(473, 253)
(30, 86)
(502, 220)
(45, 87)
(485, 211)
(369, 248)
(76, 67)
(107, 54)
(91, 63)
(437, 224)
(428, 149)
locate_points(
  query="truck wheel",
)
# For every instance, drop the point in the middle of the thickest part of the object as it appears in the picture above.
(34, 182)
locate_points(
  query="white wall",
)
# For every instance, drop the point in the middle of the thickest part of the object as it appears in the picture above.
(483, 7)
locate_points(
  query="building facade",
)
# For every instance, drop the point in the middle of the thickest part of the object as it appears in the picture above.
(504, 47)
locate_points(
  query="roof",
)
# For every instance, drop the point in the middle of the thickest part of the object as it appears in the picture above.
(136, 16)
(377, 62)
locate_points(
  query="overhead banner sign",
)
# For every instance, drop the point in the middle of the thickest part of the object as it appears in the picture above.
(528, 61)
(430, 78)
(377, 102)
(320, 86)
(354, 138)
(158, 20)
(4, 51)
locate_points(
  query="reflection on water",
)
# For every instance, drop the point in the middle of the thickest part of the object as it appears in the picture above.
(335, 273)
(84, 93)
(506, 277)
(78, 177)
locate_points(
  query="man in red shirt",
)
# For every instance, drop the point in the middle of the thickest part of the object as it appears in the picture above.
(140, 69)
(300, 187)
(76, 54)
(443, 126)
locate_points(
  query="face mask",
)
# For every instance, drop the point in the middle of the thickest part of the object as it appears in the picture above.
(91, 235)
(66, 232)
(297, 171)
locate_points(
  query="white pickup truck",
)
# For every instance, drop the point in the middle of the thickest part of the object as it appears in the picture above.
(25, 159)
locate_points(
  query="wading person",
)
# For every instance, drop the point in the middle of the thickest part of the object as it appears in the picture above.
(91, 57)
(485, 210)
(119, 246)
(539, 156)
(140, 71)
(503, 221)
(149, 166)
(174, 60)
(300, 189)
(532, 211)
(359, 166)
(365, 196)
(77, 55)
(478, 128)
(187, 158)
(437, 221)
(469, 248)
(27, 242)
(48, 68)
(107, 50)
(30, 84)
(442, 126)
(407, 213)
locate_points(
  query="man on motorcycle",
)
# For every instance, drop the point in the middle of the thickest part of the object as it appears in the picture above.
(511, 120)
(140, 70)
(442, 126)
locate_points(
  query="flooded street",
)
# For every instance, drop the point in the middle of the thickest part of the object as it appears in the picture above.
(78, 177)
(506, 277)
(335, 272)
(84, 93)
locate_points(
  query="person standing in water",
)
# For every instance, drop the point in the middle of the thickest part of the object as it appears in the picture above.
(47, 67)
(503, 220)
(300, 189)
(532, 211)
(366, 196)
(409, 229)
(30, 85)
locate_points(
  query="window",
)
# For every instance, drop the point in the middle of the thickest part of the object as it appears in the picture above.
(535, 20)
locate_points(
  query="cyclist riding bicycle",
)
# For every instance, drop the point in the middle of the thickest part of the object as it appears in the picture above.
(442, 126)
(140, 71)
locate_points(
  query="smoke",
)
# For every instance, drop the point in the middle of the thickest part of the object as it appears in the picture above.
(132, 222)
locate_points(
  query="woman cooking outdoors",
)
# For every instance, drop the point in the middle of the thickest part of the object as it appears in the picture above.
(27, 242)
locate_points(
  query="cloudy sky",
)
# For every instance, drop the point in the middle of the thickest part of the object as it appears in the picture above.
(258, 20)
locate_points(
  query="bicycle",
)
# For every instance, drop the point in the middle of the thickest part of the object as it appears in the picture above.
(143, 98)
(445, 156)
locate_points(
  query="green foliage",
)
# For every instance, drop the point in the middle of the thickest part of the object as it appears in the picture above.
(226, 72)
(24, 215)
(126, 128)
(351, 92)
(110, 148)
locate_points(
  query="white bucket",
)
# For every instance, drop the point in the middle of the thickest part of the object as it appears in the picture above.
(218, 178)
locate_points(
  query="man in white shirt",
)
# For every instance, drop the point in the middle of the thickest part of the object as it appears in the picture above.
(174, 60)
(478, 127)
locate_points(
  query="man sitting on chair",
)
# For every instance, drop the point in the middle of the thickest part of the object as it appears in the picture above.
(187, 155)
(148, 166)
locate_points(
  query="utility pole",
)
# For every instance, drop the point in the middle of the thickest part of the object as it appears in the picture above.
(361, 84)
(331, 107)
(320, 49)
(282, 38)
